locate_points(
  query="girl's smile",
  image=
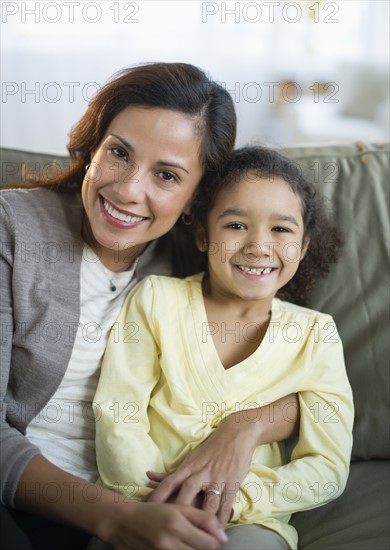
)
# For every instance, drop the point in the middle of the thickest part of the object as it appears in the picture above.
(255, 272)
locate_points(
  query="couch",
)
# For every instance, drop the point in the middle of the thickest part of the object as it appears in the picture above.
(355, 179)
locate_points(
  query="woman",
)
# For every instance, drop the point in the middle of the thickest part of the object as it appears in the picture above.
(71, 251)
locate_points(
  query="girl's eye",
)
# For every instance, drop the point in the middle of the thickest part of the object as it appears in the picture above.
(237, 226)
(279, 229)
(167, 176)
(119, 153)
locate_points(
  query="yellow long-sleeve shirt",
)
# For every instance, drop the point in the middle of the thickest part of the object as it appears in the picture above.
(163, 390)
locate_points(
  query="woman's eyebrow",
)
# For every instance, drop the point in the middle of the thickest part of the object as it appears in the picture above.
(125, 142)
(160, 162)
(174, 164)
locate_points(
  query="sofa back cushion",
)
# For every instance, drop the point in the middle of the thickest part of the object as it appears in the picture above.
(355, 179)
(26, 166)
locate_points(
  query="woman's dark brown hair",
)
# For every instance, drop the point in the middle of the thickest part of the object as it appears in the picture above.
(177, 86)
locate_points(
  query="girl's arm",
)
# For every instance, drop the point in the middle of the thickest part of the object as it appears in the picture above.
(319, 466)
(48, 491)
(130, 371)
(224, 458)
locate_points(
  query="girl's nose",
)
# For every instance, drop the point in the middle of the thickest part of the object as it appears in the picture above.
(258, 246)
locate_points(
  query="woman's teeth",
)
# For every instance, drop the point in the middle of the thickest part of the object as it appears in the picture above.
(119, 215)
(255, 270)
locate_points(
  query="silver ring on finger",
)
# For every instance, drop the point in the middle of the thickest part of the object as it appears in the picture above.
(213, 492)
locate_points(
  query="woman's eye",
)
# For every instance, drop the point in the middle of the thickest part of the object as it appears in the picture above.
(167, 176)
(119, 153)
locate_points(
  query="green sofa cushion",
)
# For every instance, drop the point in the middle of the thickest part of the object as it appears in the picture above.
(19, 166)
(357, 520)
(355, 180)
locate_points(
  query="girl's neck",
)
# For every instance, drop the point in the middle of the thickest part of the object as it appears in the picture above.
(240, 325)
(235, 305)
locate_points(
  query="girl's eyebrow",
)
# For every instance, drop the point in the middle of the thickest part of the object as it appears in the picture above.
(243, 213)
(232, 212)
(130, 148)
(286, 218)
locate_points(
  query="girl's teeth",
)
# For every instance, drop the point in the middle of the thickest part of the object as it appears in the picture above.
(119, 215)
(255, 270)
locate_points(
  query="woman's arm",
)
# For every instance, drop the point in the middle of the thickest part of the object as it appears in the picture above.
(48, 491)
(319, 466)
(16, 450)
(222, 461)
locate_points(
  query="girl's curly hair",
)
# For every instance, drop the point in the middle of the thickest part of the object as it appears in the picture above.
(325, 240)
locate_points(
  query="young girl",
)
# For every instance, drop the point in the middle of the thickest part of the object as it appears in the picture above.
(187, 352)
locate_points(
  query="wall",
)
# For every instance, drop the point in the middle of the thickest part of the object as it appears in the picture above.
(273, 57)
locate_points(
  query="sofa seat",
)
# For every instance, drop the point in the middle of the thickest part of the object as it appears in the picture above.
(358, 520)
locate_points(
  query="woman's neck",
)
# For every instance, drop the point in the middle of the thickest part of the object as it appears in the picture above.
(113, 259)
(116, 262)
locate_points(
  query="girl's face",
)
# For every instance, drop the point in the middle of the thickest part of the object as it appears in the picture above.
(141, 179)
(255, 239)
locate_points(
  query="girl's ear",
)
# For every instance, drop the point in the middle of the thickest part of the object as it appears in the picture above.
(305, 246)
(201, 239)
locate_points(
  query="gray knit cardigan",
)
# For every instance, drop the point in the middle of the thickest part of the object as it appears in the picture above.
(41, 250)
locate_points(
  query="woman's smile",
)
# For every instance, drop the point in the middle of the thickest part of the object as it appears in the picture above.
(119, 217)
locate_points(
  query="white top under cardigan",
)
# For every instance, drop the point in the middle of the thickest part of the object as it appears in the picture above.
(64, 429)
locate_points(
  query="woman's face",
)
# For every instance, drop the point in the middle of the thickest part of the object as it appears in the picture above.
(141, 179)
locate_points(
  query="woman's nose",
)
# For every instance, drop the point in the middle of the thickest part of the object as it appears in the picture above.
(131, 185)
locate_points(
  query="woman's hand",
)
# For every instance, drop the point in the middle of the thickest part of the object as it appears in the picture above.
(111, 517)
(222, 461)
(162, 526)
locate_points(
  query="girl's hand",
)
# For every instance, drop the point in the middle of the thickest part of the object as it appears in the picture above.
(222, 461)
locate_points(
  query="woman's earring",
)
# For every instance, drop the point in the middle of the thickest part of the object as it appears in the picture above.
(187, 219)
(86, 167)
